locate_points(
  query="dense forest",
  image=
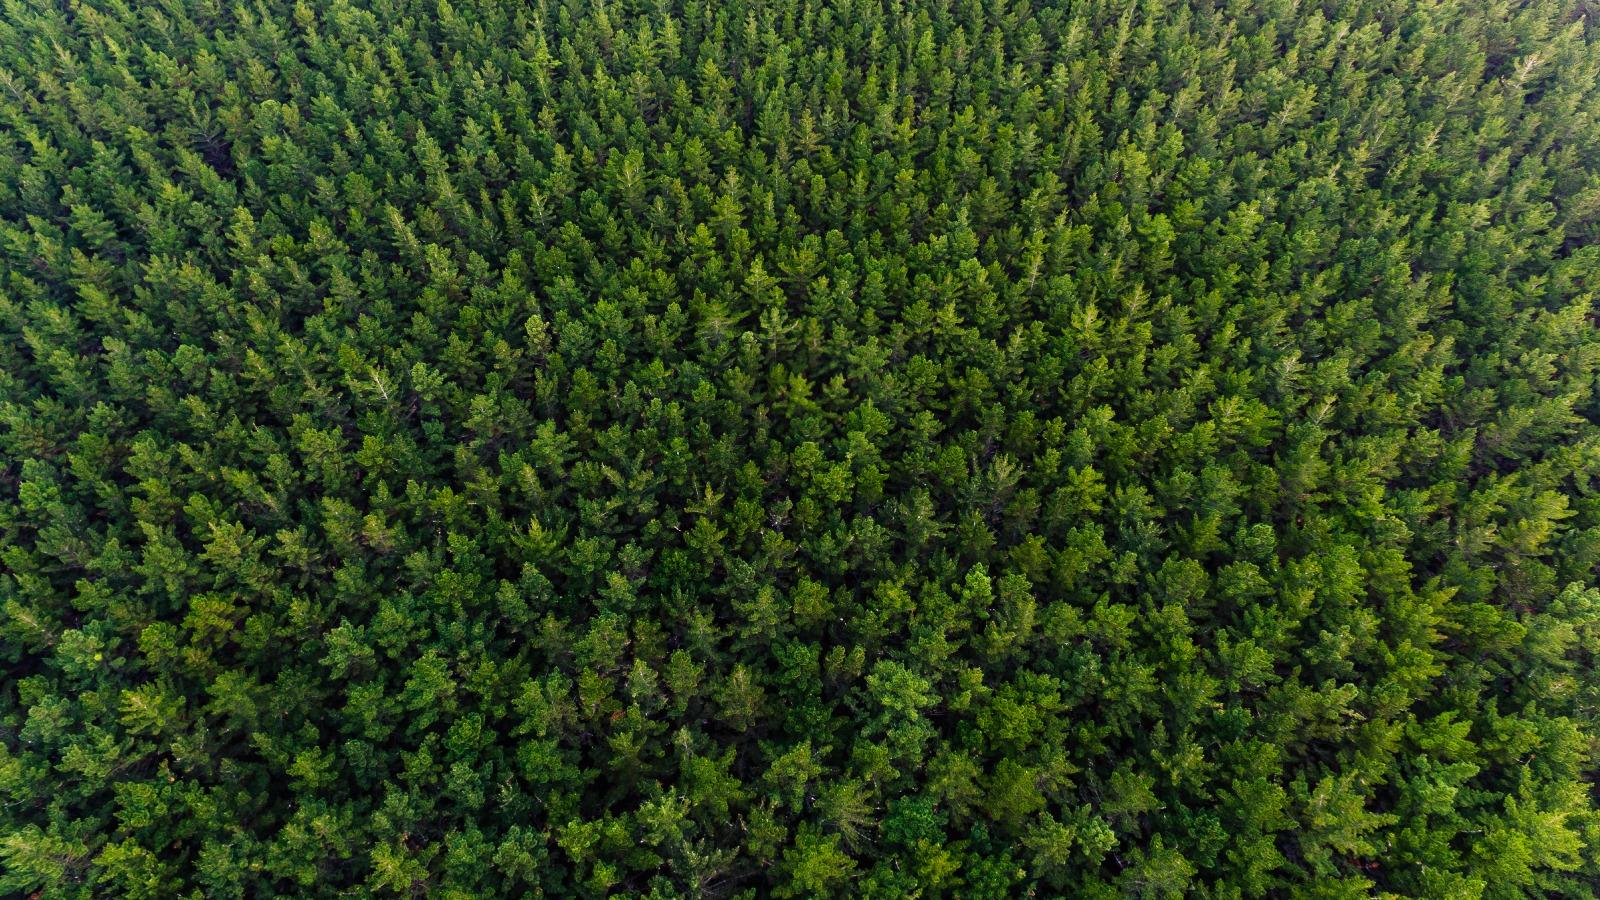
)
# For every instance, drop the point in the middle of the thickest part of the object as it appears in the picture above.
(792, 448)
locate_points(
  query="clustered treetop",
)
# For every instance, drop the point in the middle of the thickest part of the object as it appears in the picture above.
(742, 448)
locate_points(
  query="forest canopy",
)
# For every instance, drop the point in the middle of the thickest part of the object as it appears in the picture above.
(796, 448)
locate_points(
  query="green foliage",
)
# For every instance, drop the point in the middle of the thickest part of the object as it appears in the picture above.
(1076, 448)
